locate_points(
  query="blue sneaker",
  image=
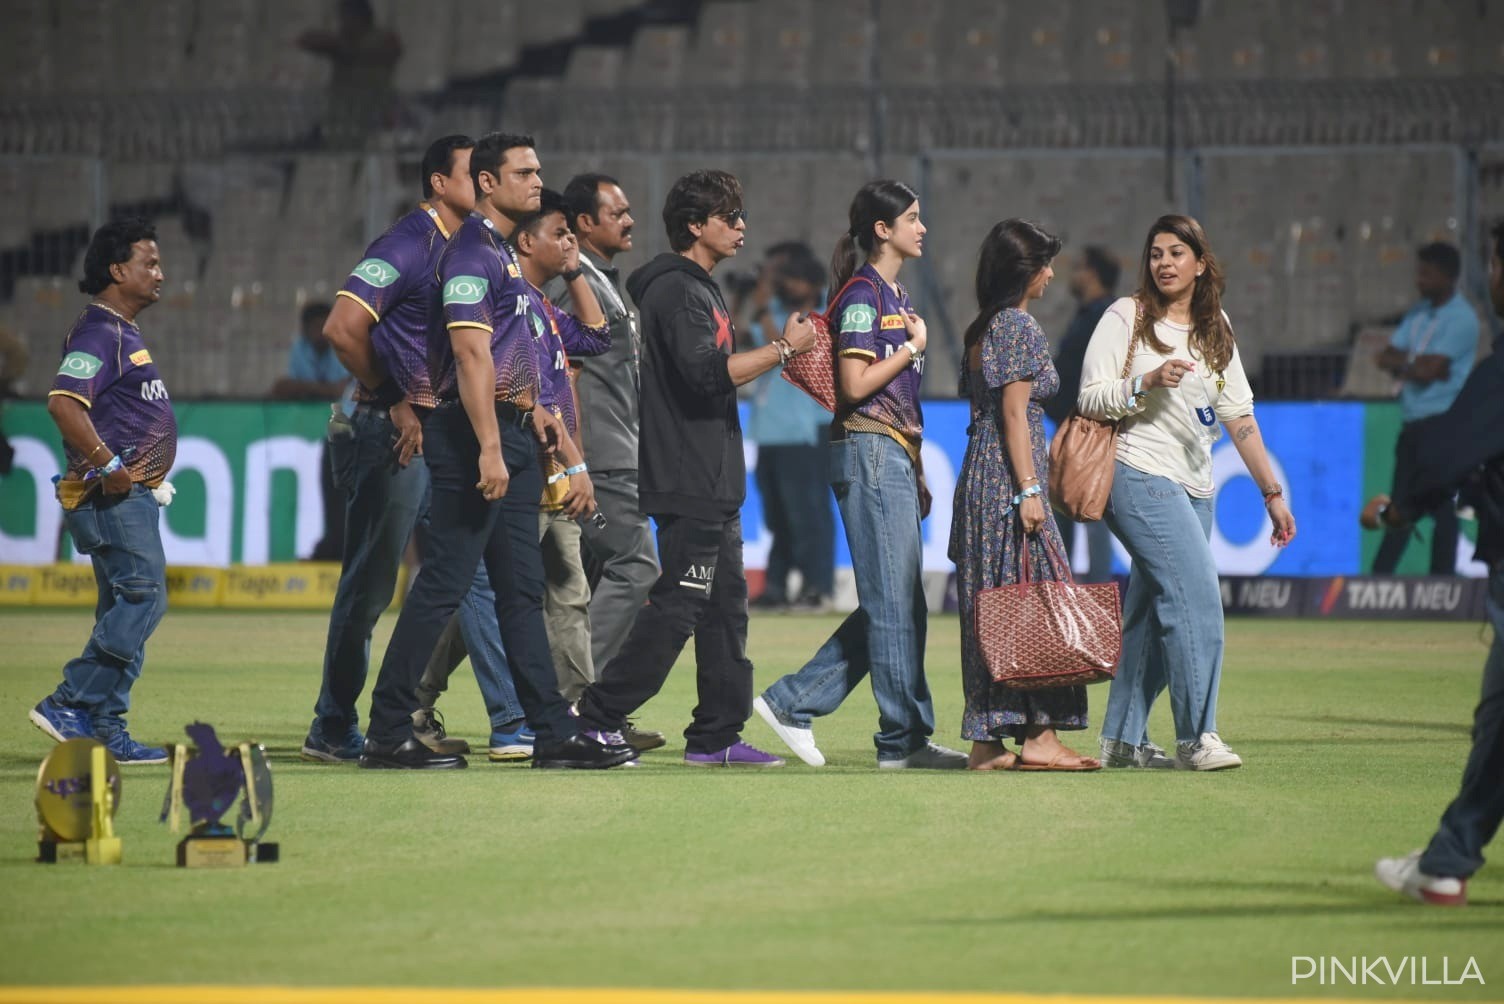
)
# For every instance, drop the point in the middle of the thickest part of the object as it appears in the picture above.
(317, 749)
(60, 721)
(126, 750)
(511, 746)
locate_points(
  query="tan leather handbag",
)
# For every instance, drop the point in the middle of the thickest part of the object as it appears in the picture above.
(1082, 455)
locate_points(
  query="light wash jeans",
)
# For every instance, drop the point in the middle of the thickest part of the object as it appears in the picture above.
(1473, 818)
(123, 538)
(1172, 610)
(878, 495)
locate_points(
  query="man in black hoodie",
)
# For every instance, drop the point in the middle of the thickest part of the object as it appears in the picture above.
(693, 480)
(1463, 448)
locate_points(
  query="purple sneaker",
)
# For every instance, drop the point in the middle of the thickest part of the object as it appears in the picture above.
(738, 754)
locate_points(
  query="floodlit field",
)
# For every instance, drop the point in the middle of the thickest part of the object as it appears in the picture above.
(665, 876)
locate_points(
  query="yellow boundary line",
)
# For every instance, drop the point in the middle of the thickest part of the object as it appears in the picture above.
(210, 994)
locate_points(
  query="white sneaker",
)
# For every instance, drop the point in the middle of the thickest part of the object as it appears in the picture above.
(1116, 753)
(801, 741)
(1404, 876)
(931, 757)
(1207, 753)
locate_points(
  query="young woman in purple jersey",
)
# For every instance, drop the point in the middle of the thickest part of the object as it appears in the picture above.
(879, 487)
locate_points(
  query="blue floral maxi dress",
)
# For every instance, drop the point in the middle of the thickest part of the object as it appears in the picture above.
(984, 542)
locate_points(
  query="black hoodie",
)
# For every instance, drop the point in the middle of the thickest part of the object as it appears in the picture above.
(690, 450)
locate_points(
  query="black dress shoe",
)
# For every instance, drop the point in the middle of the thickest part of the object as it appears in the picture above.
(409, 755)
(580, 752)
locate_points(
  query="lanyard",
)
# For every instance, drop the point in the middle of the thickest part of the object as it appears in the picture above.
(616, 300)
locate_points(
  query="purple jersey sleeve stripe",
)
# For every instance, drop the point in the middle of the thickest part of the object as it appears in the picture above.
(77, 397)
(369, 309)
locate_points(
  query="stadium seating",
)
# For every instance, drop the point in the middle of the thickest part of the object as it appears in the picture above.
(1317, 235)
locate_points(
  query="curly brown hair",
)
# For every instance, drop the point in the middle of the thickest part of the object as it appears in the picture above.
(1211, 336)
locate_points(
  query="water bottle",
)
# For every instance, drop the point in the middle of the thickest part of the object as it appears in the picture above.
(340, 425)
(1203, 415)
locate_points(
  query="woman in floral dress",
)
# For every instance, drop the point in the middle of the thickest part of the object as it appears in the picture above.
(1007, 372)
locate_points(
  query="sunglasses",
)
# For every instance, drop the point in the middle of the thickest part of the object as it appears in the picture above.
(732, 218)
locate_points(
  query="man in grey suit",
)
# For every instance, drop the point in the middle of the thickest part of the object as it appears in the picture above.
(619, 553)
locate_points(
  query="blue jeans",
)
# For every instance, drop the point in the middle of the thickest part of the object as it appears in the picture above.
(473, 631)
(123, 538)
(1473, 818)
(1172, 610)
(382, 505)
(878, 495)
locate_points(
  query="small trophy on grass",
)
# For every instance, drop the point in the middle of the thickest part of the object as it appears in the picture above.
(208, 778)
(78, 790)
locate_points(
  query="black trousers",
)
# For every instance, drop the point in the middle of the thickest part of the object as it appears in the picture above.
(794, 482)
(1443, 533)
(702, 591)
(463, 529)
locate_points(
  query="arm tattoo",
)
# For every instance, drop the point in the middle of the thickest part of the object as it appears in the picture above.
(1246, 431)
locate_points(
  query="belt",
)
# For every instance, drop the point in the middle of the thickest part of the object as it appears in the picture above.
(506, 412)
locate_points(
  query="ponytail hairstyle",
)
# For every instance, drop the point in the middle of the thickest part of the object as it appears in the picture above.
(1013, 253)
(876, 202)
(1211, 337)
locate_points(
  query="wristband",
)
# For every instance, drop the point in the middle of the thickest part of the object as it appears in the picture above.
(913, 352)
(110, 468)
(579, 468)
(1028, 493)
(573, 273)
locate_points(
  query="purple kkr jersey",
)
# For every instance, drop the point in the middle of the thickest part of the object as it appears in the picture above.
(107, 367)
(558, 337)
(395, 282)
(481, 286)
(869, 325)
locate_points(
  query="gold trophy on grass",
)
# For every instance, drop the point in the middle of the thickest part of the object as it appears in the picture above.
(78, 790)
(207, 778)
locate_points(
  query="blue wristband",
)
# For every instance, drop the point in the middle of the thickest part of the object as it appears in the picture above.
(1028, 493)
(579, 468)
(110, 468)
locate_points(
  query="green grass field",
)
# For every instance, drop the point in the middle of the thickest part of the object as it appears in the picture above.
(1118, 882)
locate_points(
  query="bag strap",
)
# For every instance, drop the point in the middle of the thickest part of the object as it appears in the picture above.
(1138, 315)
(1059, 564)
(830, 310)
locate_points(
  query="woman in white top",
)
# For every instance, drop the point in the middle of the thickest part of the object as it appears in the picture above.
(1185, 377)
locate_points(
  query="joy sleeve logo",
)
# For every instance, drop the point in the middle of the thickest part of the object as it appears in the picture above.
(464, 289)
(857, 319)
(375, 272)
(80, 366)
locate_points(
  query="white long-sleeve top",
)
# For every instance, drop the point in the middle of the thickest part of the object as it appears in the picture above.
(1158, 435)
